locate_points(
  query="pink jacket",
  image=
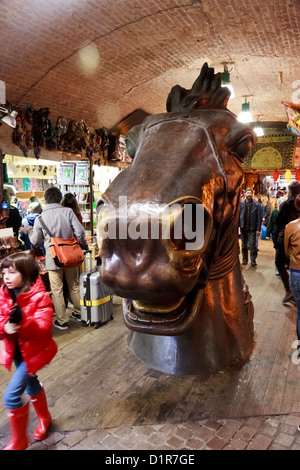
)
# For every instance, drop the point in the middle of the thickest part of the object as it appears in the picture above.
(34, 337)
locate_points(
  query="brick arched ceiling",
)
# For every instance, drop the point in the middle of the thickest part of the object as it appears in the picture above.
(99, 60)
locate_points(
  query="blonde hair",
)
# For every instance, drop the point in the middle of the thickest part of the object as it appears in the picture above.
(264, 200)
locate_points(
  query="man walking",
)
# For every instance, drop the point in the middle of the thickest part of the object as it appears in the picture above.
(61, 223)
(250, 225)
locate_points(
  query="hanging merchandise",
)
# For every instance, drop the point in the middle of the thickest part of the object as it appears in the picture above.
(26, 184)
(275, 175)
(33, 184)
(82, 173)
(288, 175)
(67, 173)
(298, 175)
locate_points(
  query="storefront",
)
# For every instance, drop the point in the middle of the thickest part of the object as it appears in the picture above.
(274, 160)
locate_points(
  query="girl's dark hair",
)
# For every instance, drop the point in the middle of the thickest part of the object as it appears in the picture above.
(26, 264)
(69, 200)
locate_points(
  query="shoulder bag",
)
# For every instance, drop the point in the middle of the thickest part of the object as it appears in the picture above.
(66, 252)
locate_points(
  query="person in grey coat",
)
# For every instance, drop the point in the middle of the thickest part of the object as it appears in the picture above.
(61, 223)
(250, 226)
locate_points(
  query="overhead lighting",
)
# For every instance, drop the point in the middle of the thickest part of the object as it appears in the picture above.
(10, 117)
(225, 81)
(245, 115)
(258, 129)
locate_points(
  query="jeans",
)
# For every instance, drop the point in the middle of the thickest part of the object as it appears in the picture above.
(295, 288)
(249, 236)
(21, 382)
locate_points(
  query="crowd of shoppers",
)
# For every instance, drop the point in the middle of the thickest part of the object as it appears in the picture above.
(62, 223)
(275, 215)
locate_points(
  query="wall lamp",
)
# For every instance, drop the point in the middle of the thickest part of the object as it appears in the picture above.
(225, 81)
(10, 116)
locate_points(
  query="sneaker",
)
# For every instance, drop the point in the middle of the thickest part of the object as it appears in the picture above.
(253, 264)
(276, 272)
(289, 300)
(64, 326)
(244, 262)
(76, 316)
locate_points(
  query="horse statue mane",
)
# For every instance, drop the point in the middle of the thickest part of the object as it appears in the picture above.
(186, 303)
(206, 93)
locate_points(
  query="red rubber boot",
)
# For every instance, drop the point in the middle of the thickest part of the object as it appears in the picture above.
(18, 425)
(40, 405)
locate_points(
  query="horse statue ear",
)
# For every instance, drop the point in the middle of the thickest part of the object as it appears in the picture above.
(175, 97)
(206, 93)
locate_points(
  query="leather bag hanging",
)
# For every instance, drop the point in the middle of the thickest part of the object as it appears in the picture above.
(66, 252)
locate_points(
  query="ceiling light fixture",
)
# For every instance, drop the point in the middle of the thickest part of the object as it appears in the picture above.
(225, 81)
(245, 115)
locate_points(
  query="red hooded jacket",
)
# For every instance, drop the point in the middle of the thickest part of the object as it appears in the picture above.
(34, 336)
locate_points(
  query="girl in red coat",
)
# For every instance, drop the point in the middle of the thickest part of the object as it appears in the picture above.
(26, 314)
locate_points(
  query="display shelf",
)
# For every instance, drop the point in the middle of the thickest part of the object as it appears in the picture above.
(27, 194)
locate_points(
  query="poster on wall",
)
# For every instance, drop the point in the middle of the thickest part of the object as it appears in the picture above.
(272, 151)
(82, 173)
(67, 173)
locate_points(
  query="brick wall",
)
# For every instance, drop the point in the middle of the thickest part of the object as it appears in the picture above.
(136, 50)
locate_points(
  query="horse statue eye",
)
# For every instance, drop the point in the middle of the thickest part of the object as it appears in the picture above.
(242, 147)
(131, 147)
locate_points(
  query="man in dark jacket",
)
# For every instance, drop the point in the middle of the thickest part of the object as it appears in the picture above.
(250, 225)
(14, 218)
(286, 214)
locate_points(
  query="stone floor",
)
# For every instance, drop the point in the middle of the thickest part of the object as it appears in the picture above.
(274, 429)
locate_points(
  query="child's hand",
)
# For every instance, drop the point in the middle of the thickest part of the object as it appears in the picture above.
(11, 328)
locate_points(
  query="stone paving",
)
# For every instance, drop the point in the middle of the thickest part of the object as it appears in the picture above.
(251, 433)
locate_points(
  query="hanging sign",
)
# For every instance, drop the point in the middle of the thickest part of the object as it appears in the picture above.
(82, 173)
(67, 173)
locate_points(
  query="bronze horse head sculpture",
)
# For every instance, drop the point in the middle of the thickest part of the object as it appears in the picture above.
(187, 305)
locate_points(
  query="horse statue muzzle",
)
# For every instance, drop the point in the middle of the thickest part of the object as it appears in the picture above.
(168, 234)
